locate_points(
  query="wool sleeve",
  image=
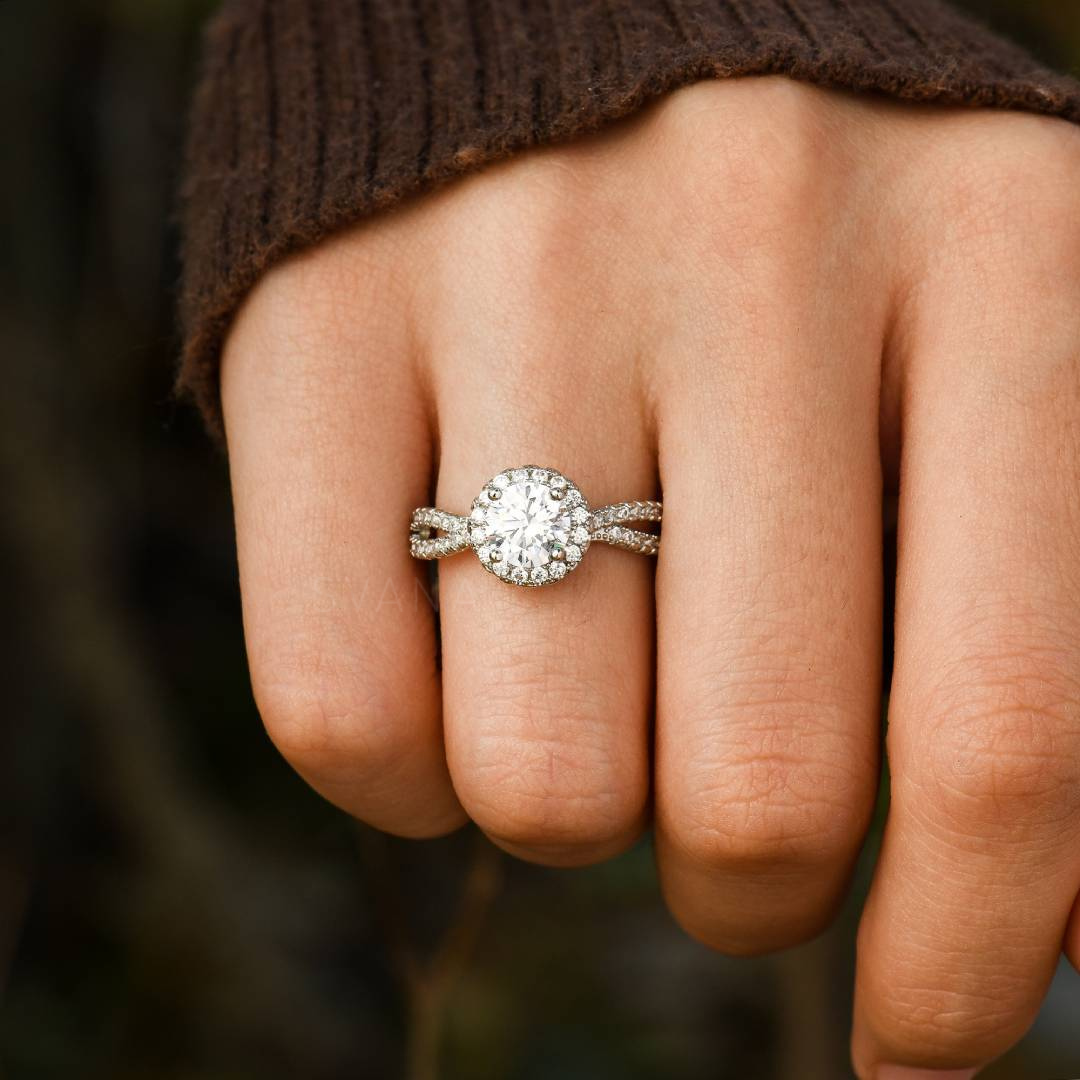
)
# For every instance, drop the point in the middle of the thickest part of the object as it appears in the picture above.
(311, 114)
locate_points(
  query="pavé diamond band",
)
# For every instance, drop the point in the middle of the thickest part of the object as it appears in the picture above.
(531, 526)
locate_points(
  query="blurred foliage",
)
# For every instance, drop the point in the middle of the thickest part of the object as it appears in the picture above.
(174, 902)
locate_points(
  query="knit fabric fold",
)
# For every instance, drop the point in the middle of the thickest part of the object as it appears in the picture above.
(312, 114)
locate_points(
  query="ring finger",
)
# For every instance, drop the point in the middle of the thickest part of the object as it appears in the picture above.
(547, 691)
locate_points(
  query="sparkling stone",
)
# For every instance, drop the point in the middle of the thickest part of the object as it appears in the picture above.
(527, 526)
(580, 535)
(573, 553)
(579, 515)
(557, 571)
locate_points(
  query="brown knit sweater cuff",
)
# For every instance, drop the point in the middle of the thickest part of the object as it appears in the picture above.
(313, 113)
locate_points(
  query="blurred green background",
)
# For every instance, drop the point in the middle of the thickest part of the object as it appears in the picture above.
(174, 902)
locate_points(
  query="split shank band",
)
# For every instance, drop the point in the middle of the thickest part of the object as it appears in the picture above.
(531, 526)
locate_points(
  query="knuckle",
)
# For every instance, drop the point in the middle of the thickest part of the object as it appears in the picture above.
(544, 763)
(328, 726)
(771, 810)
(746, 134)
(752, 834)
(761, 156)
(766, 805)
(1015, 196)
(539, 794)
(1002, 744)
(540, 201)
(768, 779)
(540, 821)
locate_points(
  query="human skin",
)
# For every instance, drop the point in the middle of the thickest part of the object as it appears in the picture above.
(772, 303)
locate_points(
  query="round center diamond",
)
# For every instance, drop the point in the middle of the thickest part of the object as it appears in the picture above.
(527, 526)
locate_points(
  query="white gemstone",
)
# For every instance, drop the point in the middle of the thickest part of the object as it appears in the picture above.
(580, 515)
(573, 553)
(557, 570)
(527, 526)
(580, 535)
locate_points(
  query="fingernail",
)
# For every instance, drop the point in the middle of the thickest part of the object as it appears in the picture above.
(906, 1072)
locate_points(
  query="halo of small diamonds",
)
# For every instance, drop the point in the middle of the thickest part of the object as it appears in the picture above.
(528, 526)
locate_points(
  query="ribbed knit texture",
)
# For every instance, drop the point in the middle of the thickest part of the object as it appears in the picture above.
(314, 113)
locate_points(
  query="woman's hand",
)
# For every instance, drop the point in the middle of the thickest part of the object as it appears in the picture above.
(772, 302)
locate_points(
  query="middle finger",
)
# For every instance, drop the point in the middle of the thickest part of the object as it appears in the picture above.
(769, 607)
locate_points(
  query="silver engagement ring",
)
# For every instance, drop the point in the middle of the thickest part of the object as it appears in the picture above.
(531, 526)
